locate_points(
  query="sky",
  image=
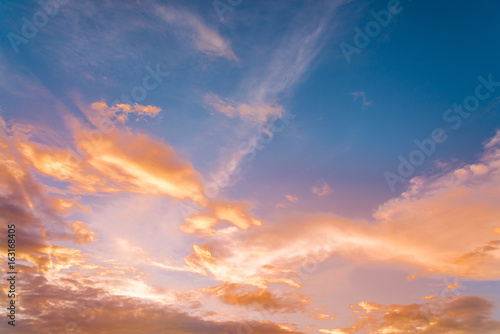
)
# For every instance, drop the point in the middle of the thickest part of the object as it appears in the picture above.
(250, 167)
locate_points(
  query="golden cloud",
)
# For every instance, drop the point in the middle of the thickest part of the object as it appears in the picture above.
(467, 315)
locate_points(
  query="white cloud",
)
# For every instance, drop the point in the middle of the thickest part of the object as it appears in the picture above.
(205, 39)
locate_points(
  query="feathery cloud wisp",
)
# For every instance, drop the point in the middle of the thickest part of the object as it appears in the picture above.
(205, 39)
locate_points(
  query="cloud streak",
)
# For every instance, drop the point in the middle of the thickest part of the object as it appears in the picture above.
(205, 39)
(468, 315)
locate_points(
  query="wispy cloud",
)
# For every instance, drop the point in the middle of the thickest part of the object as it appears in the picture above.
(262, 90)
(294, 54)
(257, 113)
(205, 39)
(322, 190)
(365, 102)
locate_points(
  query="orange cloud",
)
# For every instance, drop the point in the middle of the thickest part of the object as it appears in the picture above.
(323, 190)
(413, 276)
(429, 297)
(120, 112)
(52, 259)
(257, 113)
(320, 313)
(115, 162)
(428, 229)
(122, 160)
(235, 214)
(332, 331)
(290, 199)
(199, 222)
(37, 215)
(83, 235)
(467, 315)
(227, 270)
(204, 220)
(69, 303)
(245, 295)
